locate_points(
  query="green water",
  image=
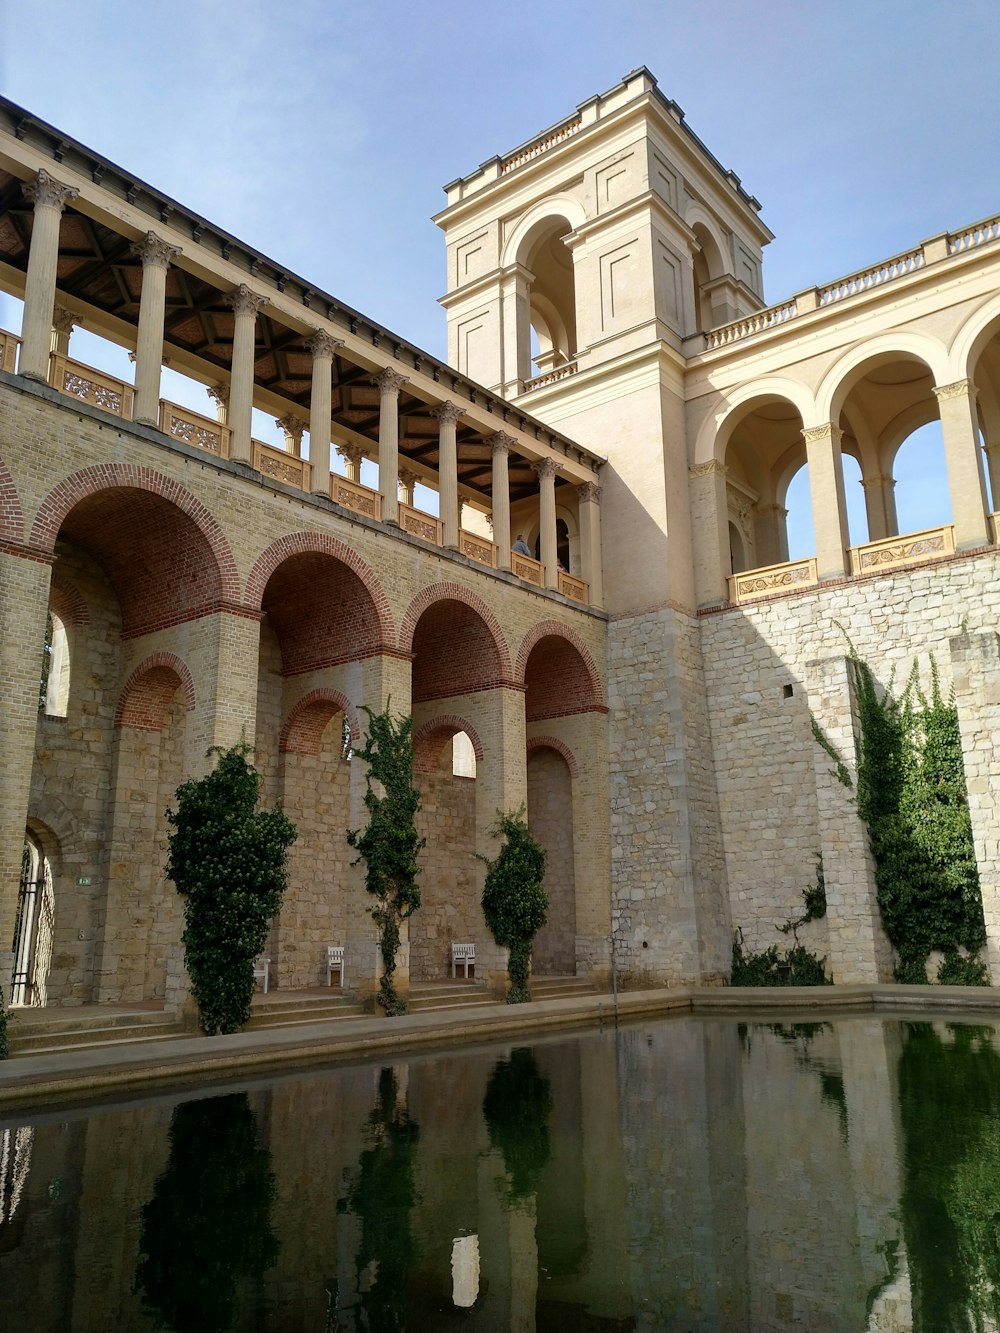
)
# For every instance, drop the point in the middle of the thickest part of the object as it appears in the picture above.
(679, 1175)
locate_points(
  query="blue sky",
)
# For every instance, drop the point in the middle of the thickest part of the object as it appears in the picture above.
(322, 132)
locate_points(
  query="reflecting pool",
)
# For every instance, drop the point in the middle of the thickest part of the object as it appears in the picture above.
(681, 1174)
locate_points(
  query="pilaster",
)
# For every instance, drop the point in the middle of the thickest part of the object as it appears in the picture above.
(589, 502)
(960, 432)
(829, 506)
(710, 524)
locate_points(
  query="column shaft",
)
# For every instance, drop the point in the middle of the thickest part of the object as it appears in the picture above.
(156, 256)
(389, 384)
(322, 347)
(245, 305)
(546, 471)
(960, 431)
(447, 415)
(826, 489)
(500, 444)
(49, 198)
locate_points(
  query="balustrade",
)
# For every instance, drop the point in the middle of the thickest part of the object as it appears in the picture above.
(352, 495)
(9, 343)
(897, 552)
(279, 465)
(538, 146)
(866, 279)
(551, 376)
(419, 524)
(773, 579)
(477, 548)
(578, 590)
(90, 386)
(192, 428)
(980, 233)
(755, 323)
(524, 567)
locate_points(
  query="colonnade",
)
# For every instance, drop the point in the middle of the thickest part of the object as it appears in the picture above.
(236, 398)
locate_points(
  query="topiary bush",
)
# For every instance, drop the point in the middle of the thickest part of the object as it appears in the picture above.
(389, 846)
(229, 862)
(515, 904)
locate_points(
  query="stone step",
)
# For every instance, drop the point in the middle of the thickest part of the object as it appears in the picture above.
(562, 988)
(65, 1034)
(287, 1010)
(427, 997)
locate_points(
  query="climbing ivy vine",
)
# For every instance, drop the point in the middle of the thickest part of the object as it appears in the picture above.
(515, 904)
(911, 794)
(229, 862)
(389, 846)
(797, 966)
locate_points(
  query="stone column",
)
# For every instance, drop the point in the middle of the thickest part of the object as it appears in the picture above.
(219, 393)
(960, 431)
(389, 384)
(156, 255)
(322, 346)
(24, 599)
(545, 470)
(710, 531)
(826, 490)
(294, 428)
(245, 304)
(63, 324)
(975, 669)
(589, 503)
(880, 506)
(515, 314)
(352, 454)
(447, 414)
(993, 467)
(770, 535)
(407, 481)
(859, 949)
(500, 443)
(49, 198)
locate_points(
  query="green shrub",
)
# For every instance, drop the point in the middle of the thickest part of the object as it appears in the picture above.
(389, 846)
(514, 903)
(229, 862)
(797, 967)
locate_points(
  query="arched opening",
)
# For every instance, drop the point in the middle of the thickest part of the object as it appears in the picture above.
(737, 549)
(550, 818)
(463, 756)
(769, 513)
(33, 927)
(919, 474)
(708, 267)
(552, 296)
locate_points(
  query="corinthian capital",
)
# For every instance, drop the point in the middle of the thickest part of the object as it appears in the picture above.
(814, 434)
(246, 302)
(46, 192)
(447, 412)
(545, 468)
(960, 389)
(389, 381)
(589, 493)
(501, 442)
(323, 344)
(154, 251)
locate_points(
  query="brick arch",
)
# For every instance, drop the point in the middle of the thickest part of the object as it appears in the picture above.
(454, 592)
(589, 699)
(427, 753)
(11, 513)
(67, 602)
(560, 747)
(149, 690)
(163, 552)
(319, 543)
(308, 719)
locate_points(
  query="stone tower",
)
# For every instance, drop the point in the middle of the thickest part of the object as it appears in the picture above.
(582, 269)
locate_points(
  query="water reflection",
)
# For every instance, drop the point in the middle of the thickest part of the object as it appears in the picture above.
(207, 1227)
(674, 1176)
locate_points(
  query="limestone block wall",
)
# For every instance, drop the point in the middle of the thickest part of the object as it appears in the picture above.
(450, 877)
(764, 752)
(550, 815)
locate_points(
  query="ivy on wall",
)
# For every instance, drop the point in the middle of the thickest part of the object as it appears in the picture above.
(911, 793)
(389, 846)
(515, 904)
(797, 966)
(229, 862)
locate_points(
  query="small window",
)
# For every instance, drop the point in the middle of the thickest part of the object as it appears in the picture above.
(463, 756)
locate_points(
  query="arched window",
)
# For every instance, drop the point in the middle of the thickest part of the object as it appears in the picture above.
(463, 756)
(33, 928)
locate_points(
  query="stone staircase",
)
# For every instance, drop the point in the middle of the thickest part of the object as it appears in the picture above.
(433, 996)
(279, 1009)
(48, 1031)
(562, 988)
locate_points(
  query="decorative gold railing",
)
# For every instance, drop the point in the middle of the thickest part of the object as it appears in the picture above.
(896, 552)
(532, 571)
(352, 495)
(280, 465)
(9, 343)
(772, 579)
(480, 549)
(418, 524)
(191, 428)
(90, 386)
(571, 586)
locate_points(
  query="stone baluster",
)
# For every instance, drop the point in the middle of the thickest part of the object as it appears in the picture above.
(447, 415)
(323, 347)
(829, 506)
(156, 255)
(500, 444)
(246, 304)
(352, 454)
(960, 432)
(589, 500)
(293, 428)
(49, 198)
(545, 470)
(63, 324)
(389, 384)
